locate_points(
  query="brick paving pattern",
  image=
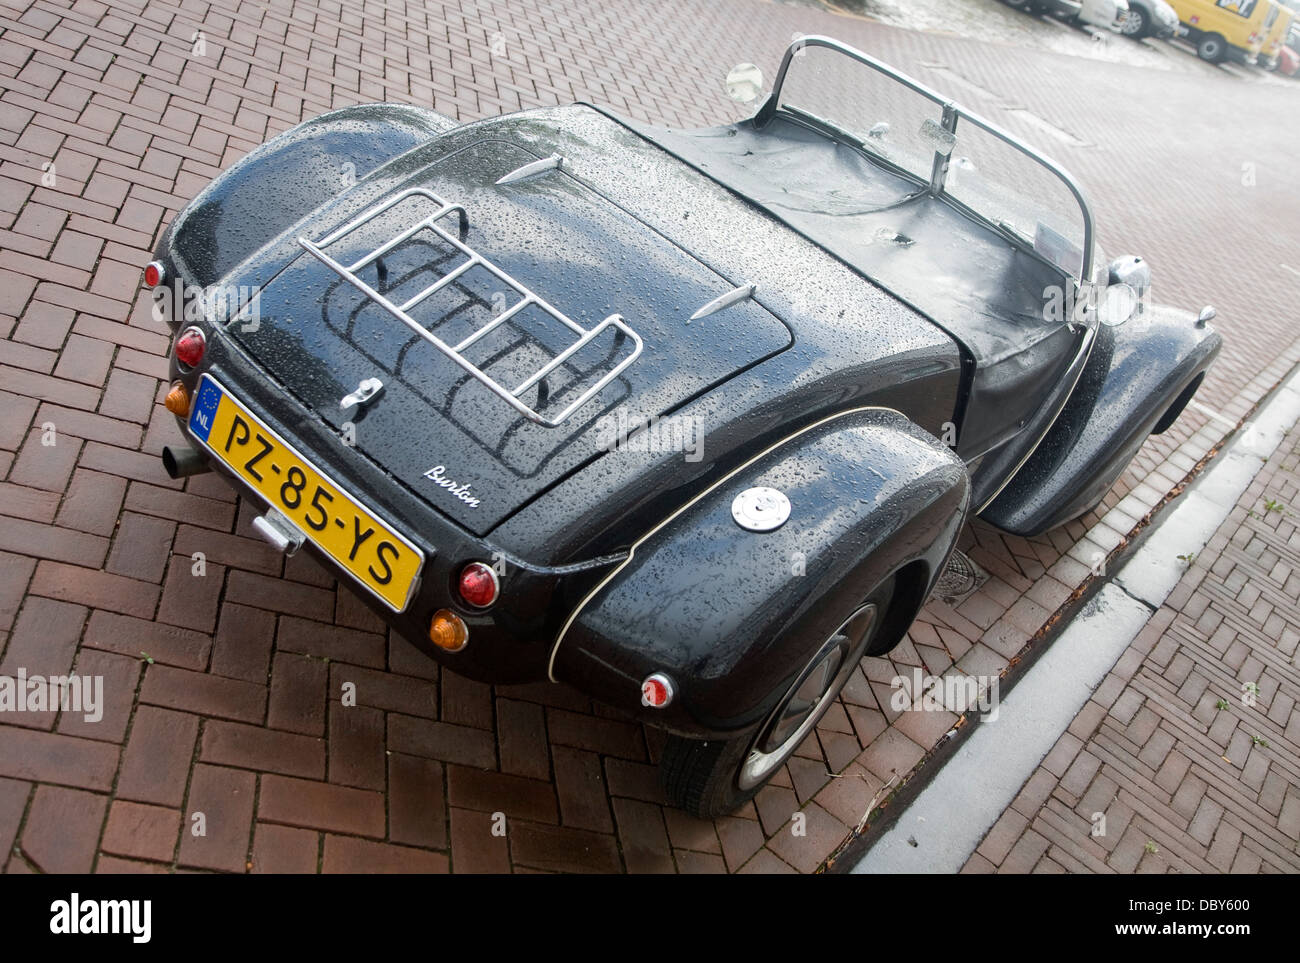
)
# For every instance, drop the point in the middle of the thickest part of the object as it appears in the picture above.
(221, 690)
(1189, 747)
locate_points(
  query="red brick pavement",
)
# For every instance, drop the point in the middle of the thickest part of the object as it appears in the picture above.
(217, 686)
(1186, 758)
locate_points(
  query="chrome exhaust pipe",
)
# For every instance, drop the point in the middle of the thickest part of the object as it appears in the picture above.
(180, 463)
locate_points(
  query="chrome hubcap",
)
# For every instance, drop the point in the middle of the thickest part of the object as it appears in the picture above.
(1133, 23)
(810, 697)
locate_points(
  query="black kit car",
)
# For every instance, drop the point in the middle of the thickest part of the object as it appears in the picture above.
(688, 420)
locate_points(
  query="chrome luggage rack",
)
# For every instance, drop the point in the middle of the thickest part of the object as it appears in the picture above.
(473, 259)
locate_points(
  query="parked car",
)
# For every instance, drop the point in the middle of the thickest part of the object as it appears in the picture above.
(1150, 18)
(1100, 13)
(1289, 57)
(1107, 14)
(1067, 9)
(1289, 61)
(867, 314)
(1271, 52)
(1227, 29)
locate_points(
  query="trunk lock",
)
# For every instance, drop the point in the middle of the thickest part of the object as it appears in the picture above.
(366, 392)
(276, 528)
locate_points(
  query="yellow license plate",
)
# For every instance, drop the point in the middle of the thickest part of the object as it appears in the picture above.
(383, 561)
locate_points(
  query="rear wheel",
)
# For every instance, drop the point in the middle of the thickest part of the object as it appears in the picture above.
(1212, 47)
(710, 778)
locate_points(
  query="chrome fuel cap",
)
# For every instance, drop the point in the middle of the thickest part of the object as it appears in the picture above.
(760, 509)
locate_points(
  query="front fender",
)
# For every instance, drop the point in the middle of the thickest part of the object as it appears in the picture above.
(732, 615)
(1140, 377)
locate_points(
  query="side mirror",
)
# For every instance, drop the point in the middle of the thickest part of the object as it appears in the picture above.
(1133, 271)
(1206, 316)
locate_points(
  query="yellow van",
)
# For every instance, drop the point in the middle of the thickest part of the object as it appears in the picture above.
(1223, 29)
(1272, 49)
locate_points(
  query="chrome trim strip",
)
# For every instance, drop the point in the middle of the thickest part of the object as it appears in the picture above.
(564, 629)
(528, 170)
(734, 296)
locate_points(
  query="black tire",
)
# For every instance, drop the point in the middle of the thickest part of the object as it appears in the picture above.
(1212, 48)
(1135, 24)
(709, 778)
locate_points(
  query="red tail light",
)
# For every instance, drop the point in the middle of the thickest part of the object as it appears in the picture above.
(190, 345)
(657, 691)
(478, 585)
(154, 274)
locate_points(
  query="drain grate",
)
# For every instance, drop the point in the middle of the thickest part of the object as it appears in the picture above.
(960, 580)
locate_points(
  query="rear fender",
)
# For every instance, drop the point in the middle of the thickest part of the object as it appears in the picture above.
(732, 615)
(1141, 376)
(284, 180)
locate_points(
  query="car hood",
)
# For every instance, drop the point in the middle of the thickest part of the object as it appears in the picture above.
(434, 427)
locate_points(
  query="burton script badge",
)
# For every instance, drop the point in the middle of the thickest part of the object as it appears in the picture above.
(436, 476)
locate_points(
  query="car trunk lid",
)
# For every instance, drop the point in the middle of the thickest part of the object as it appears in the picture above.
(435, 427)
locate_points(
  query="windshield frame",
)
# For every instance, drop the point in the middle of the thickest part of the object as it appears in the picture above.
(952, 112)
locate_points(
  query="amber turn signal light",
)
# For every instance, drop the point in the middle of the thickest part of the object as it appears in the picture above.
(448, 631)
(178, 400)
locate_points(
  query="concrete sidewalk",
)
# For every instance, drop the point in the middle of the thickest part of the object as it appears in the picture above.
(1187, 756)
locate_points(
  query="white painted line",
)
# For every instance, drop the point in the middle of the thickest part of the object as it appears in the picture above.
(1047, 127)
(954, 79)
(1291, 269)
(1211, 413)
(947, 821)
